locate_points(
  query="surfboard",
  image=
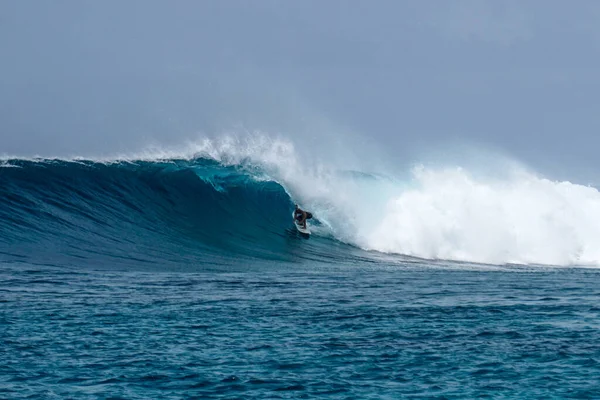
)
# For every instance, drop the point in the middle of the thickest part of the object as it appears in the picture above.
(300, 228)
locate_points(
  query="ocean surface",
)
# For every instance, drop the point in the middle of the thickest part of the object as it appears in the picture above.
(185, 278)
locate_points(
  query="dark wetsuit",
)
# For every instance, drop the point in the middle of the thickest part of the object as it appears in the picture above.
(299, 215)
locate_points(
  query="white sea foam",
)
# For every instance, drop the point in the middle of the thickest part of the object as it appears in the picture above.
(449, 214)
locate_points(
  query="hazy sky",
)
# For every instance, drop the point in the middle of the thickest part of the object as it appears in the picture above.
(86, 77)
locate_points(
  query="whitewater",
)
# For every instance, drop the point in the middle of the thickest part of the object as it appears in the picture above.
(245, 187)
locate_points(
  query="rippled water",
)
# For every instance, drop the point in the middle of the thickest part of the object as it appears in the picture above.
(305, 333)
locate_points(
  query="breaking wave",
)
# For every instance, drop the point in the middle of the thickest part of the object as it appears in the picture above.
(217, 201)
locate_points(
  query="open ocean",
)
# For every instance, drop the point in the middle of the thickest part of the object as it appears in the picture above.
(185, 278)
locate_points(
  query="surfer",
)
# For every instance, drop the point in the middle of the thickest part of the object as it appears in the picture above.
(301, 216)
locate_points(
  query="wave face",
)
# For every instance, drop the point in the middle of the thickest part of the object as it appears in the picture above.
(176, 211)
(218, 203)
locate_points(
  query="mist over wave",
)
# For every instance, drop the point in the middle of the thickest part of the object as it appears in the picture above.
(231, 198)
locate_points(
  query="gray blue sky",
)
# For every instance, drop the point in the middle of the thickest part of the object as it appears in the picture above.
(82, 77)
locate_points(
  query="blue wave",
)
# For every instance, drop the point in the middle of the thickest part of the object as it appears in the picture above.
(166, 214)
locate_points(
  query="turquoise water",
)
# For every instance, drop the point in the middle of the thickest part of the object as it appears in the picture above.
(401, 332)
(186, 279)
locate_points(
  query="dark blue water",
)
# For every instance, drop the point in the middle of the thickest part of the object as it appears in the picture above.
(338, 333)
(142, 281)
